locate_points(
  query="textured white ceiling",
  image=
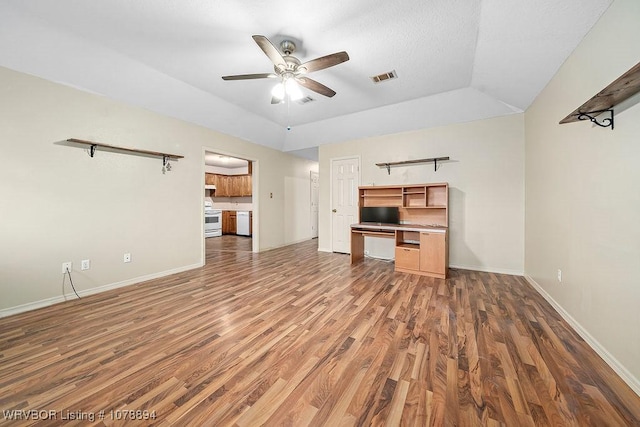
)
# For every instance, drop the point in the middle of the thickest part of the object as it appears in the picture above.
(456, 60)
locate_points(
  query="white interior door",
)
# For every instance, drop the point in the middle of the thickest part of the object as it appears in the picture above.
(315, 198)
(345, 178)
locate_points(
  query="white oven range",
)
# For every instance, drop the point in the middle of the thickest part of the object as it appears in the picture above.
(212, 221)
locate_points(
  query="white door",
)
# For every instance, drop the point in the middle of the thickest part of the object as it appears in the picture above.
(345, 178)
(315, 197)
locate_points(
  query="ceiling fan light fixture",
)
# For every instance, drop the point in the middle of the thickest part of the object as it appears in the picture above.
(278, 91)
(293, 89)
(291, 71)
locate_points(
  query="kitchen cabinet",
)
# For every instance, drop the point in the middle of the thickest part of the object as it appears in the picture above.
(234, 186)
(229, 222)
(245, 185)
(230, 185)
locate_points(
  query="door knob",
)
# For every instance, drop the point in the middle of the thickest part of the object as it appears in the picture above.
(334, 210)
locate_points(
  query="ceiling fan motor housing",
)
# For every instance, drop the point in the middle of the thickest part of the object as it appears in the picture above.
(287, 46)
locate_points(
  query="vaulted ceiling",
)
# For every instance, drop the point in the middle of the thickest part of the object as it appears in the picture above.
(455, 60)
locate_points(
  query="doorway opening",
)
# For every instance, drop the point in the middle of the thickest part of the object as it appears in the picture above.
(228, 194)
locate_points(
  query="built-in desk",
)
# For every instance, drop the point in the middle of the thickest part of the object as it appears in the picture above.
(420, 249)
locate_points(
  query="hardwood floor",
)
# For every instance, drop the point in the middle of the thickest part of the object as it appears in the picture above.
(228, 242)
(298, 337)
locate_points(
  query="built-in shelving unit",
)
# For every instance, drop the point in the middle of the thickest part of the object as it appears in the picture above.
(623, 88)
(94, 146)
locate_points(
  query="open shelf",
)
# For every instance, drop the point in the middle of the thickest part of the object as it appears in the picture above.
(418, 203)
(93, 146)
(621, 89)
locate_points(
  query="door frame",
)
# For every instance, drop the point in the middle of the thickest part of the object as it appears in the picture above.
(359, 174)
(317, 222)
(255, 202)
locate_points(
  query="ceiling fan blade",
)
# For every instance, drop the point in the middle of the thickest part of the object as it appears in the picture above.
(323, 62)
(270, 50)
(315, 86)
(250, 76)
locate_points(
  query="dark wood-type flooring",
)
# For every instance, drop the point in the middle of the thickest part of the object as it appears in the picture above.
(298, 337)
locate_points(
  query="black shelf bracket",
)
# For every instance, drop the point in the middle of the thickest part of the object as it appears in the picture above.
(92, 150)
(591, 116)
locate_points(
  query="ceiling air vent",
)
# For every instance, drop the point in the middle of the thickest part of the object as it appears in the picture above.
(385, 76)
(305, 100)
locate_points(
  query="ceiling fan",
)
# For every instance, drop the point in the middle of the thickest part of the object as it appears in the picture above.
(291, 71)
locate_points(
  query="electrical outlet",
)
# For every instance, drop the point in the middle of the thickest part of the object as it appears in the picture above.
(85, 264)
(127, 257)
(559, 275)
(67, 266)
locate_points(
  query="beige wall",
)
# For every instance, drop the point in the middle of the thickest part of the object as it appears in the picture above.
(582, 195)
(486, 186)
(58, 204)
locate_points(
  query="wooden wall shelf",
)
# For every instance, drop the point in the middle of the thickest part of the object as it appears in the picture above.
(435, 161)
(93, 146)
(623, 88)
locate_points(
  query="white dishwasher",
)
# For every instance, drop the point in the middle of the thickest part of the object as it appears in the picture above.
(242, 223)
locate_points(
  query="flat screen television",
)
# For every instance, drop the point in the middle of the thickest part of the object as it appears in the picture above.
(379, 214)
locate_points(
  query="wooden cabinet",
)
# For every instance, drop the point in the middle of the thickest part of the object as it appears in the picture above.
(407, 257)
(233, 223)
(229, 185)
(225, 222)
(245, 185)
(229, 222)
(434, 254)
(222, 186)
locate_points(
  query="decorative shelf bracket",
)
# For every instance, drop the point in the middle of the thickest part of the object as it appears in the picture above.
(591, 116)
(621, 89)
(435, 161)
(93, 147)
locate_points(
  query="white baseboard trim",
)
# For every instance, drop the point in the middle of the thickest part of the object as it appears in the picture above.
(62, 298)
(286, 244)
(609, 359)
(488, 269)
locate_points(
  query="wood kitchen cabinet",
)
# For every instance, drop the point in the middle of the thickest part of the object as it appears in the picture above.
(210, 179)
(222, 188)
(246, 185)
(233, 223)
(229, 222)
(229, 185)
